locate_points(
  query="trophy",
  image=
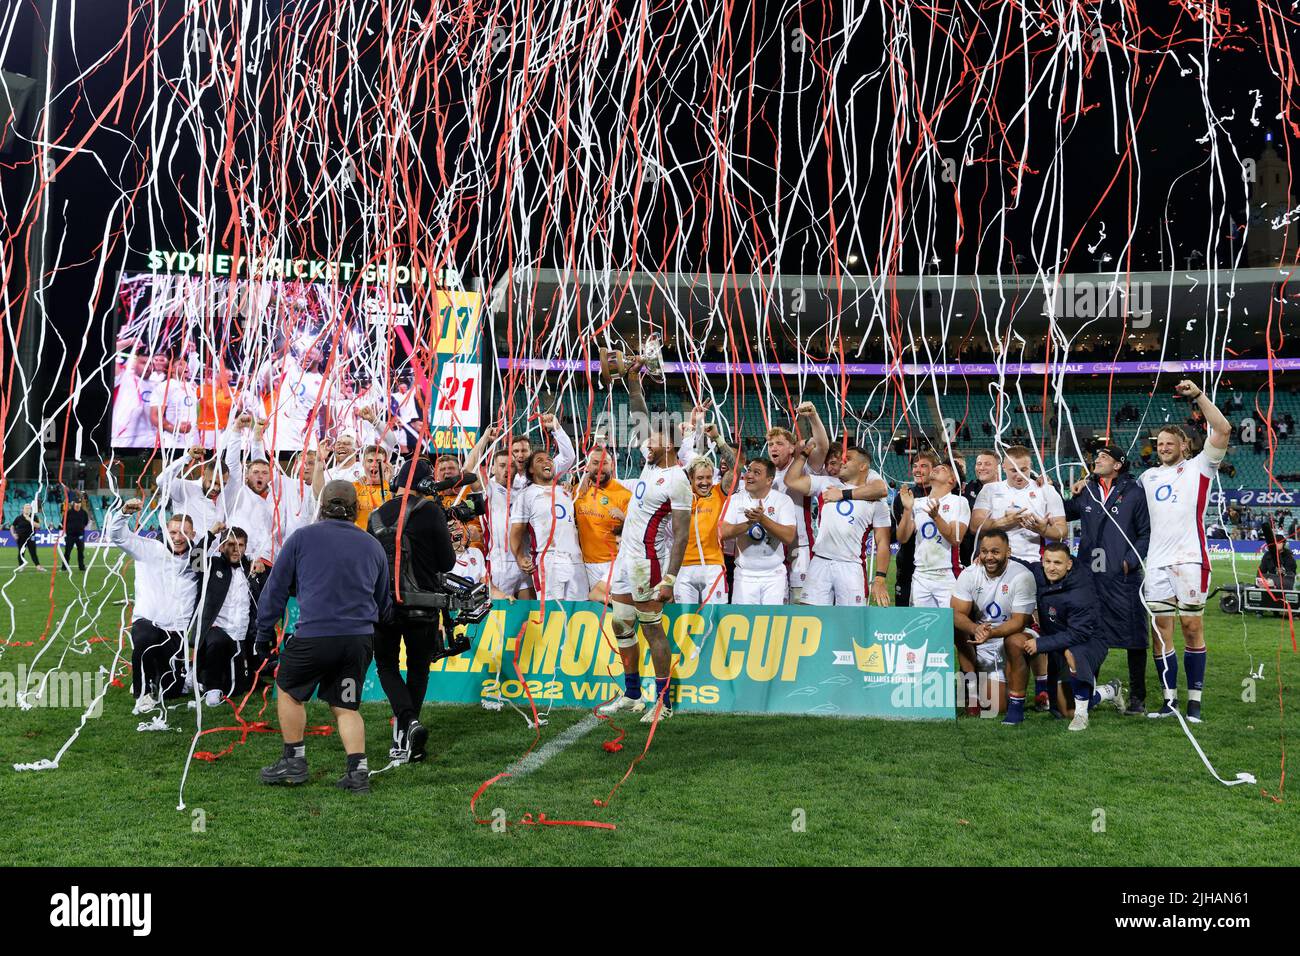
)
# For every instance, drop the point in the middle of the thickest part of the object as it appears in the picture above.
(615, 364)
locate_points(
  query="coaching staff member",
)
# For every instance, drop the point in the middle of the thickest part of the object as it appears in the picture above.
(340, 577)
(1114, 529)
(423, 531)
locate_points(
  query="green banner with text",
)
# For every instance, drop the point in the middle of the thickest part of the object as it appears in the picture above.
(791, 659)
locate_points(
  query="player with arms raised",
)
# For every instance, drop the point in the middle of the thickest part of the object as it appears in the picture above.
(1178, 564)
(650, 553)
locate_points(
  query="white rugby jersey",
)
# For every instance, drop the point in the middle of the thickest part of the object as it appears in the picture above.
(756, 550)
(842, 528)
(801, 503)
(994, 600)
(648, 527)
(498, 517)
(934, 555)
(1177, 496)
(470, 564)
(548, 512)
(177, 402)
(998, 498)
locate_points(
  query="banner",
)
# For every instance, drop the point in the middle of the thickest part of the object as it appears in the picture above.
(849, 662)
(1255, 496)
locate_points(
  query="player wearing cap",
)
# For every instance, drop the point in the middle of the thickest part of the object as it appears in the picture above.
(650, 553)
(938, 522)
(1114, 529)
(1178, 564)
(842, 527)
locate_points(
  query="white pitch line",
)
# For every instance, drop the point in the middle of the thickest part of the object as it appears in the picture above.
(535, 760)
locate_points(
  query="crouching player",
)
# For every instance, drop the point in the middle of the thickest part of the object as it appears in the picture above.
(993, 600)
(1069, 623)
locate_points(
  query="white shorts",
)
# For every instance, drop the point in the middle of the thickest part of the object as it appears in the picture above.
(989, 659)
(798, 567)
(1176, 589)
(559, 578)
(701, 584)
(838, 583)
(505, 575)
(760, 587)
(933, 590)
(598, 573)
(638, 576)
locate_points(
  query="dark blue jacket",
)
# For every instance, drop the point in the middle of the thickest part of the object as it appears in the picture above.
(1067, 609)
(339, 574)
(1117, 524)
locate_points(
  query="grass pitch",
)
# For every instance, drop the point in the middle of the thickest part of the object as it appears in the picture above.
(713, 790)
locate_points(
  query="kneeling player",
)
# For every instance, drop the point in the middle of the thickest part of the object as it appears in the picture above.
(1069, 622)
(993, 600)
(939, 522)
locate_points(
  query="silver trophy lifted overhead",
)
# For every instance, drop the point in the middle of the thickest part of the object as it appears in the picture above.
(615, 364)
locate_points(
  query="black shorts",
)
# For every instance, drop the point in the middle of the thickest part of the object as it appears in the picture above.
(335, 665)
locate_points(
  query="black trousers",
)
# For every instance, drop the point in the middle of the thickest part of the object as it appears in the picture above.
(157, 661)
(220, 663)
(81, 552)
(405, 697)
(30, 546)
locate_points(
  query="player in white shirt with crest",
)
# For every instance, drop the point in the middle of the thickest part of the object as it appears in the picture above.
(939, 522)
(764, 524)
(1031, 514)
(1178, 564)
(650, 552)
(837, 572)
(781, 449)
(544, 535)
(994, 598)
(470, 562)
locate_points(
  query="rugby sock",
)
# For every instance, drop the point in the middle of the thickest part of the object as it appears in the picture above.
(295, 750)
(1040, 685)
(632, 686)
(661, 691)
(1167, 671)
(1015, 709)
(1194, 661)
(357, 762)
(1084, 698)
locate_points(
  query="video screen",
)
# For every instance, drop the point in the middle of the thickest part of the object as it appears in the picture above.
(194, 351)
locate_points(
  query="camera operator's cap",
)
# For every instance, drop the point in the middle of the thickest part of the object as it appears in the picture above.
(1115, 452)
(404, 479)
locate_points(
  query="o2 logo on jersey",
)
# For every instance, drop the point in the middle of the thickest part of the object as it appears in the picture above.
(560, 511)
(992, 609)
(844, 507)
(640, 491)
(1166, 493)
(929, 531)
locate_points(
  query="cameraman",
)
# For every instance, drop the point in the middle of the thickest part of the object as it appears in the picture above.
(421, 525)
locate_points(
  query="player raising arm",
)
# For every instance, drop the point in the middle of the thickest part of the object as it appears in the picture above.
(1178, 564)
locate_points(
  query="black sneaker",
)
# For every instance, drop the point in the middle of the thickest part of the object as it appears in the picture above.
(1137, 706)
(417, 738)
(1193, 711)
(286, 770)
(356, 781)
(1167, 709)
